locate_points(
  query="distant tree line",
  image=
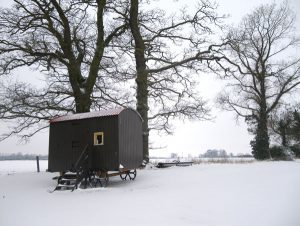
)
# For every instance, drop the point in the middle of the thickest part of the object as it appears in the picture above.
(215, 153)
(20, 156)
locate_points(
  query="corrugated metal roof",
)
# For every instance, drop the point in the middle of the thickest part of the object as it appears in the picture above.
(94, 114)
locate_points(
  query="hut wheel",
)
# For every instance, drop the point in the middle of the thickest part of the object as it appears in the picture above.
(132, 174)
(123, 176)
(101, 179)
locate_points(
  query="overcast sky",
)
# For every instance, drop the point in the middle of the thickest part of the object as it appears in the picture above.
(190, 137)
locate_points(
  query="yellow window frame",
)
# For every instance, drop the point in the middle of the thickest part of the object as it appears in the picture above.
(96, 134)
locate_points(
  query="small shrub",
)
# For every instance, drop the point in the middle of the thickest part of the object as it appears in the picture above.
(296, 149)
(282, 153)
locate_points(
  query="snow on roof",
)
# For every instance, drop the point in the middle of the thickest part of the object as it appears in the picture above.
(94, 114)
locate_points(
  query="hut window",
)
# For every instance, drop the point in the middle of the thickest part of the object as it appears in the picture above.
(98, 138)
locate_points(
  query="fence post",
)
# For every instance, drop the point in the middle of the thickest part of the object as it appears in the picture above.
(38, 163)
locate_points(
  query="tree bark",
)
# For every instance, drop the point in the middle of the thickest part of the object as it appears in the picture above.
(283, 138)
(83, 103)
(141, 75)
(261, 149)
(262, 136)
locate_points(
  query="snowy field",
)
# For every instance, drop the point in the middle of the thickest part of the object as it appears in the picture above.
(253, 194)
(19, 166)
(229, 160)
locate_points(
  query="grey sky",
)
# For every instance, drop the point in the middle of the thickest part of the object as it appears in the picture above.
(193, 137)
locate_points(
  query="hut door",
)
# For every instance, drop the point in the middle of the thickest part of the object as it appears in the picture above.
(78, 140)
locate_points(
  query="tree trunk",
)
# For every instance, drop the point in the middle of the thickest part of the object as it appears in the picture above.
(261, 143)
(141, 75)
(283, 135)
(262, 136)
(83, 103)
(261, 148)
(142, 108)
(82, 96)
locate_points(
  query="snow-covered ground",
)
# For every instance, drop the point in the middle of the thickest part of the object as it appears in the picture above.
(197, 160)
(253, 194)
(18, 166)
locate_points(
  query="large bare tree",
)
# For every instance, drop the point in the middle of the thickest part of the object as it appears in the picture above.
(168, 51)
(67, 41)
(259, 68)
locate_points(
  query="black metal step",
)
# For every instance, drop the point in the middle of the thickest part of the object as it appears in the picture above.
(73, 178)
(68, 179)
(69, 175)
(68, 187)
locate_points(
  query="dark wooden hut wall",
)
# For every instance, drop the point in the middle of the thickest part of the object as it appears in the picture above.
(130, 139)
(68, 141)
(105, 157)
